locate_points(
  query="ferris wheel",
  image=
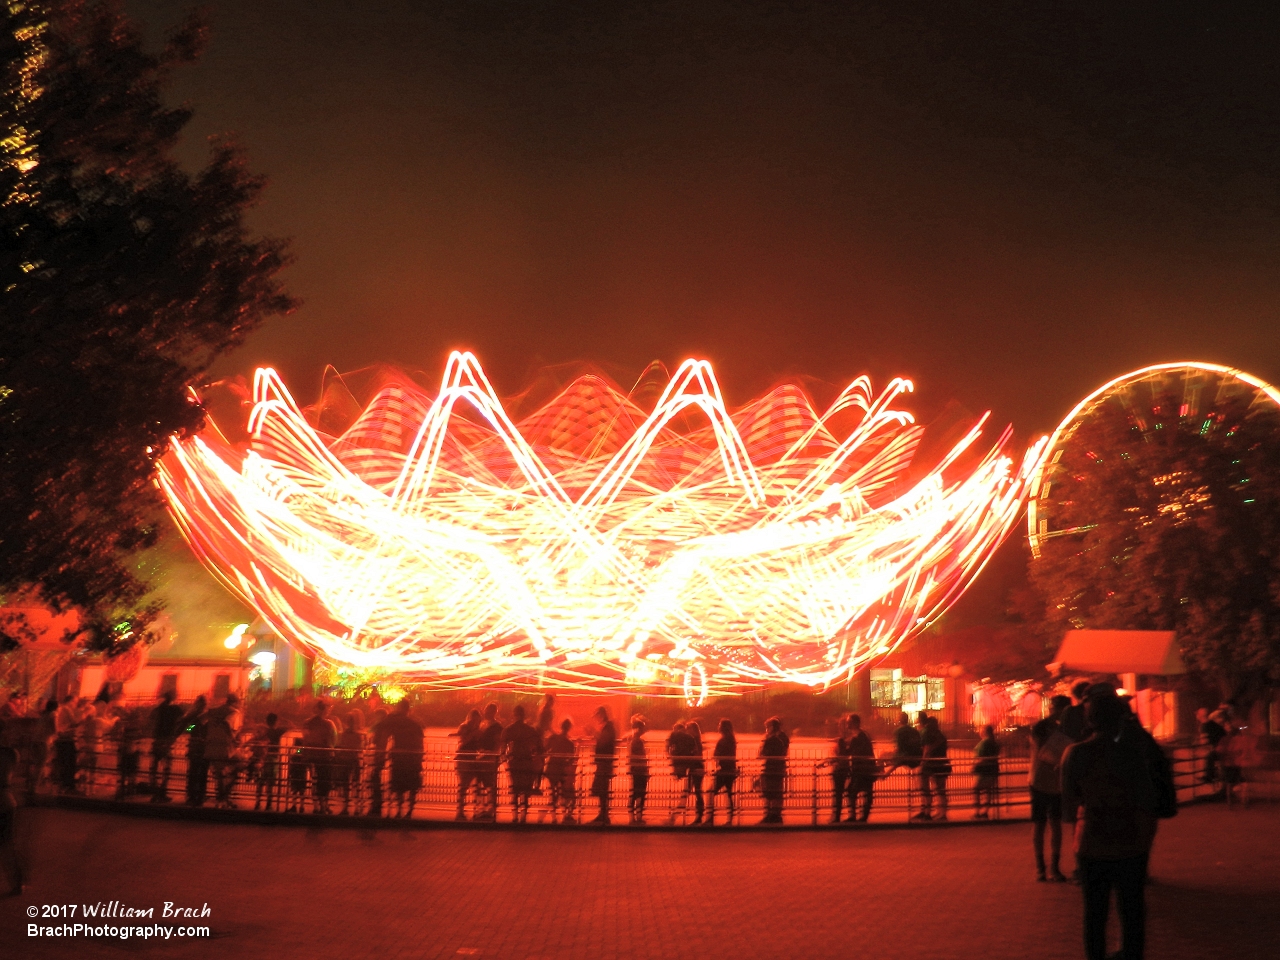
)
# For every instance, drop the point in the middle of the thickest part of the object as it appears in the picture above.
(1205, 389)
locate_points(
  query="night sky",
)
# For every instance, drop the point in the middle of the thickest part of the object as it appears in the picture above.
(1008, 202)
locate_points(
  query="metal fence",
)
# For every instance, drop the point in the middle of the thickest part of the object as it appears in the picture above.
(296, 779)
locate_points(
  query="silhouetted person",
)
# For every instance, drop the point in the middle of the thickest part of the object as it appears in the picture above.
(726, 757)
(1108, 778)
(466, 763)
(128, 732)
(196, 725)
(1073, 722)
(934, 769)
(406, 751)
(606, 748)
(773, 749)
(840, 772)
(96, 723)
(221, 733)
(986, 773)
(1048, 744)
(297, 776)
(378, 762)
(907, 750)
(522, 749)
(490, 757)
(166, 725)
(862, 769)
(1232, 759)
(561, 771)
(697, 769)
(679, 750)
(267, 749)
(318, 737)
(639, 764)
(346, 760)
(544, 723)
(1212, 732)
(41, 746)
(9, 861)
(66, 721)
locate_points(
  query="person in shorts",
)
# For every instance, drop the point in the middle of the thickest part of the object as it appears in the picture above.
(346, 761)
(862, 771)
(773, 751)
(1048, 743)
(561, 771)
(405, 753)
(726, 758)
(986, 773)
(679, 750)
(266, 749)
(606, 747)
(840, 772)
(697, 770)
(488, 758)
(522, 749)
(467, 762)
(639, 764)
(935, 768)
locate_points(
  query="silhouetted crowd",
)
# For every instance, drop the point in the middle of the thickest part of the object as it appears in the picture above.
(542, 759)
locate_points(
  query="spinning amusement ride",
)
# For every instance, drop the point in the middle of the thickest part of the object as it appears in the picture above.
(594, 546)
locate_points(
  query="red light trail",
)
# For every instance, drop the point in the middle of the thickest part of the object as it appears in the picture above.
(594, 547)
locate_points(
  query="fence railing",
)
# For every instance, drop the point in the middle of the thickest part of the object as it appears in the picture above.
(294, 778)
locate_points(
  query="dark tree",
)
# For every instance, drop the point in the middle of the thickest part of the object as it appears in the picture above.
(1171, 521)
(123, 277)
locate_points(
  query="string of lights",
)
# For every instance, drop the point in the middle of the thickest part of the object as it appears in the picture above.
(593, 547)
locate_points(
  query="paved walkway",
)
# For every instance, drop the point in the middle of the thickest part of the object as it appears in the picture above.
(925, 894)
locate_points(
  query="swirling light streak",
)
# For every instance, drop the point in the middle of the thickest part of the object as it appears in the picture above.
(593, 547)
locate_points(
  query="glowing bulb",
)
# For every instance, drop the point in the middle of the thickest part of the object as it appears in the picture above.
(237, 636)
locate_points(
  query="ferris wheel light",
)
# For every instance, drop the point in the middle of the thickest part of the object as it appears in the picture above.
(1038, 526)
(592, 546)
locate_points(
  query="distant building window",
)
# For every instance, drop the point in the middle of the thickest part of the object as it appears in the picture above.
(889, 688)
(221, 686)
(168, 684)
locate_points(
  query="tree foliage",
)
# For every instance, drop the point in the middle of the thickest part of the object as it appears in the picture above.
(1171, 521)
(123, 277)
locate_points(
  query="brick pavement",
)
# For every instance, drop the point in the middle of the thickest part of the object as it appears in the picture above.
(925, 893)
